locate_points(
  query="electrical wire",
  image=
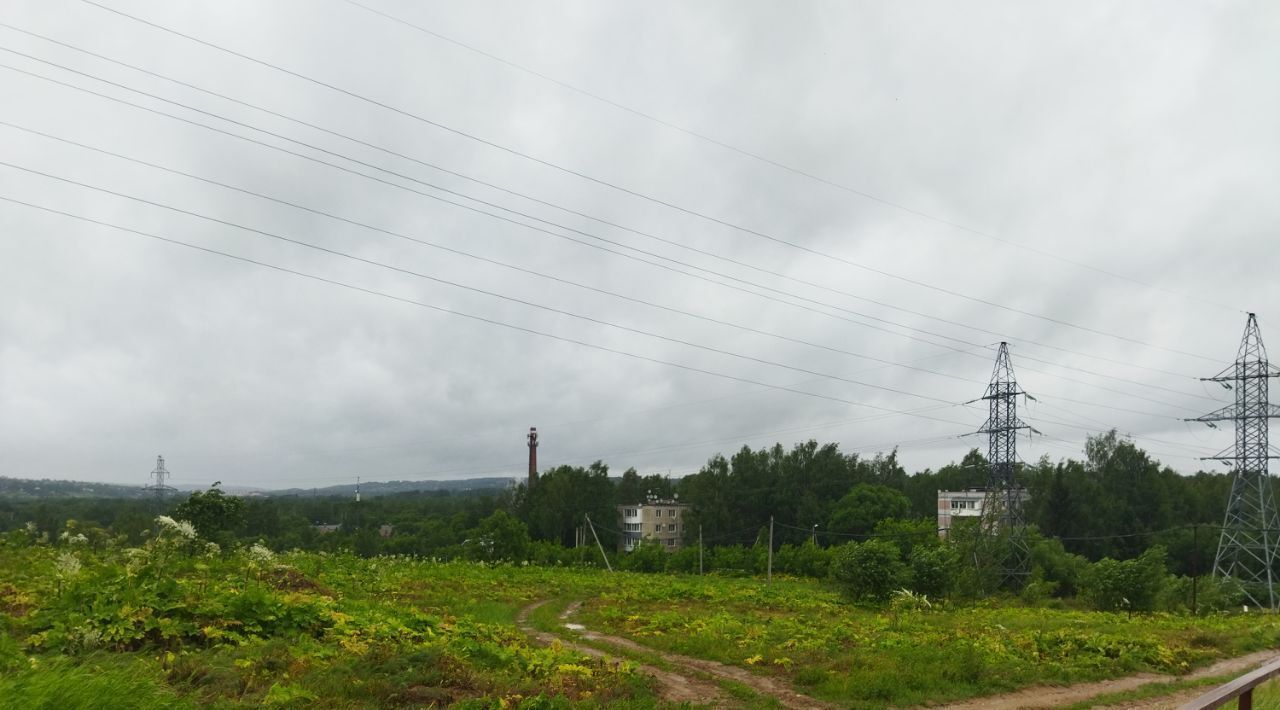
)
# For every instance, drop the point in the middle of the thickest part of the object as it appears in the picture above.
(485, 292)
(462, 314)
(604, 183)
(310, 158)
(775, 163)
(494, 186)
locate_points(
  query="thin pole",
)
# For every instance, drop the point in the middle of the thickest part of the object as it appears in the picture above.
(1195, 566)
(699, 550)
(597, 537)
(769, 578)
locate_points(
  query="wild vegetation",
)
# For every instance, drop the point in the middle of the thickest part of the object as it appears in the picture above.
(180, 621)
(226, 601)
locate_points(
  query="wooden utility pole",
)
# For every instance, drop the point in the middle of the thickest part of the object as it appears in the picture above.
(1195, 564)
(769, 577)
(597, 537)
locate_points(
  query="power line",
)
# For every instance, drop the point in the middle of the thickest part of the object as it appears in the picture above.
(473, 289)
(489, 214)
(470, 316)
(525, 196)
(466, 254)
(769, 161)
(634, 193)
(518, 300)
(508, 219)
(525, 215)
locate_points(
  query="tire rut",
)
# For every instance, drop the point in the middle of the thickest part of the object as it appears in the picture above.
(775, 688)
(671, 686)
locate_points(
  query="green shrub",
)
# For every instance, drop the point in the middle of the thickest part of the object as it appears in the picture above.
(648, 556)
(869, 571)
(932, 570)
(1131, 585)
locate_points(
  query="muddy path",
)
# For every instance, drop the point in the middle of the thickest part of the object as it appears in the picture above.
(673, 687)
(1057, 696)
(764, 685)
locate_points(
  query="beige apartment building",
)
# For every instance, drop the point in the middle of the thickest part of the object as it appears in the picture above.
(655, 519)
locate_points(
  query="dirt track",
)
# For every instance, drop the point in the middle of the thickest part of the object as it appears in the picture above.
(672, 686)
(676, 686)
(1057, 696)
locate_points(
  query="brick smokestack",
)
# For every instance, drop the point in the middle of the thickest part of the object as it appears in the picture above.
(533, 455)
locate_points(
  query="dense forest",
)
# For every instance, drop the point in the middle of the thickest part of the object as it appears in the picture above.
(1117, 503)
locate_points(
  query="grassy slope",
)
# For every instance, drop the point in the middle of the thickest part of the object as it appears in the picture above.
(173, 627)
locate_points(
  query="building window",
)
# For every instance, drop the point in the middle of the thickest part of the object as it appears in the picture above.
(631, 512)
(671, 542)
(671, 513)
(671, 527)
(657, 528)
(657, 513)
(635, 527)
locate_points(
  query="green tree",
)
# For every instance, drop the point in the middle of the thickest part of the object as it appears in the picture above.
(501, 537)
(862, 508)
(216, 515)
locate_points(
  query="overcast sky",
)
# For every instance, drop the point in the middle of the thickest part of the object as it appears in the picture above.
(1094, 182)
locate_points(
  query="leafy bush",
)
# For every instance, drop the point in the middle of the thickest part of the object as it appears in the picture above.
(933, 569)
(684, 560)
(648, 556)
(869, 571)
(807, 560)
(1131, 585)
(1057, 567)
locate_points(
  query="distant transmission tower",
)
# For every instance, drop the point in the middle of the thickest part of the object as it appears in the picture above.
(1004, 524)
(1247, 547)
(158, 478)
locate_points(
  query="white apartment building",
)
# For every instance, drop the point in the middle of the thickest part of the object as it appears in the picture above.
(654, 519)
(963, 504)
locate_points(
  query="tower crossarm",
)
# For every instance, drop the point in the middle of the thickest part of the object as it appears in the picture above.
(1232, 412)
(1230, 374)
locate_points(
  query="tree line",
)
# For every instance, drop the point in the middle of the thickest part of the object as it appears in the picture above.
(1115, 502)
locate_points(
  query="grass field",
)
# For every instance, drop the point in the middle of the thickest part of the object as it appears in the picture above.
(175, 624)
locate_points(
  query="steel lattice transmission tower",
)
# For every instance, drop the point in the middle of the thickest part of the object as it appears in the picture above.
(1004, 523)
(1247, 547)
(158, 478)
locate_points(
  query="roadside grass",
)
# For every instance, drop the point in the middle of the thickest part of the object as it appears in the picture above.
(95, 681)
(1151, 690)
(1266, 696)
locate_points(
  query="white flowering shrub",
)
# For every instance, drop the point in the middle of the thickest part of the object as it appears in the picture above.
(176, 528)
(260, 554)
(67, 565)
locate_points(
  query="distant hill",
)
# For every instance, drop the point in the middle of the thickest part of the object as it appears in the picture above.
(20, 488)
(382, 488)
(27, 488)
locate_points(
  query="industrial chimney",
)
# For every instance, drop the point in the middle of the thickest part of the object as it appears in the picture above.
(533, 456)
